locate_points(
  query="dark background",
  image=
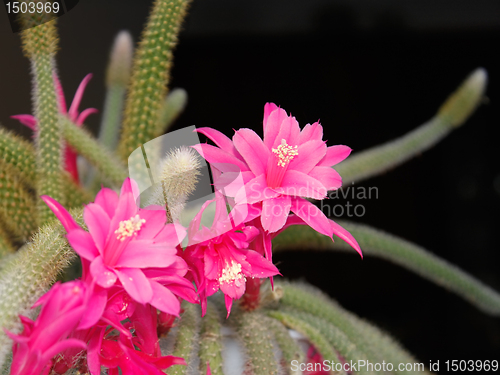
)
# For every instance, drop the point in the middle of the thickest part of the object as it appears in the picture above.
(371, 71)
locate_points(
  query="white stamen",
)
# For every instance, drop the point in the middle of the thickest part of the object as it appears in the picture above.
(285, 153)
(232, 273)
(129, 228)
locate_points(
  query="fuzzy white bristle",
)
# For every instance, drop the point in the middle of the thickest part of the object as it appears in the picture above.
(179, 174)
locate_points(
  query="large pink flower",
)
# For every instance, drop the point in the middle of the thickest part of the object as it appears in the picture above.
(224, 260)
(78, 118)
(129, 246)
(280, 171)
(62, 309)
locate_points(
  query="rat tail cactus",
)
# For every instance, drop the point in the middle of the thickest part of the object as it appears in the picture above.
(92, 280)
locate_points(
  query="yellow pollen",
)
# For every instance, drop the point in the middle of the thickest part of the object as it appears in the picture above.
(129, 227)
(285, 153)
(232, 273)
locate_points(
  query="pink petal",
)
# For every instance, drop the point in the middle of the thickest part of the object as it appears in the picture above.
(94, 351)
(96, 305)
(229, 303)
(164, 300)
(310, 154)
(127, 208)
(253, 150)
(64, 217)
(103, 275)
(289, 131)
(230, 182)
(261, 267)
(254, 191)
(312, 215)
(299, 184)
(346, 236)
(73, 110)
(220, 140)
(328, 176)
(84, 114)
(129, 186)
(61, 346)
(268, 109)
(334, 155)
(97, 221)
(70, 163)
(171, 235)
(275, 212)
(311, 132)
(234, 288)
(108, 200)
(144, 254)
(273, 124)
(82, 242)
(26, 120)
(155, 222)
(136, 284)
(216, 155)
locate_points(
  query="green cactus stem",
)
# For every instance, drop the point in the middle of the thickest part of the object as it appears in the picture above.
(257, 340)
(40, 45)
(87, 146)
(187, 339)
(453, 113)
(6, 247)
(335, 337)
(151, 74)
(315, 336)
(290, 349)
(170, 110)
(19, 155)
(377, 243)
(376, 345)
(17, 207)
(29, 273)
(117, 80)
(211, 341)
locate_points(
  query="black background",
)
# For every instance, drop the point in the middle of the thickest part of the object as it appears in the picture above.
(370, 71)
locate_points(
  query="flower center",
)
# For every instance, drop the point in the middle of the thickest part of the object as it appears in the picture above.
(231, 273)
(129, 227)
(285, 153)
(281, 157)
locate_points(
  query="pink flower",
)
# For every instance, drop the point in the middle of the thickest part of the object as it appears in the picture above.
(62, 308)
(223, 261)
(122, 354)
(278, 172)
(127, 246)
(78, 118)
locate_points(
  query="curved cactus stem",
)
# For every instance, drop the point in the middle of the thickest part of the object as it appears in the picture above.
(6, 247)
(453, 113)
(187, 340)
(87, 146)
(290, 349)
(377, 243)
(151, 74)
(117, 80)
(335, 337)
(171, 108)
(211, 341)
(17, 207)
(315, 336)
(19, 155)
(40, 46)
(29, 273)
(257, 340)
(369, 339)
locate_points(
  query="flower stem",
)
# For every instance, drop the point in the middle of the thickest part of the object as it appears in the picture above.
(251, 299)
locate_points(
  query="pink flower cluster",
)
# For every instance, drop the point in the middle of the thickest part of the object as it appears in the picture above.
(135, 273)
